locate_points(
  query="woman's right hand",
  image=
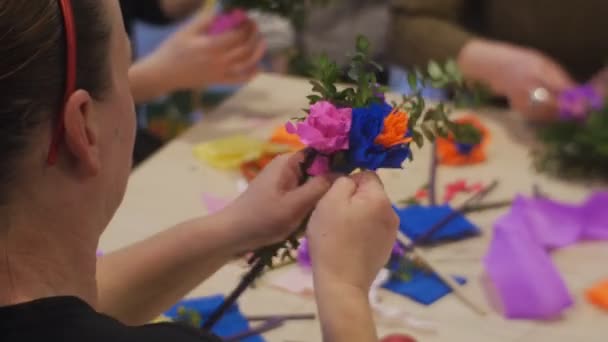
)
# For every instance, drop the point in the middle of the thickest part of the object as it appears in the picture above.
(515, 72)
(352, 232)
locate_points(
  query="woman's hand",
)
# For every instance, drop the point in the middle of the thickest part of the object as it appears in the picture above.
(600, 82)
(350, 236)
(352, 232)
(274, 204)
(191, 59)
(516, 72)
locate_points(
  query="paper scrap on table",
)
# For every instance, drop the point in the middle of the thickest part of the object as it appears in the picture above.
(598, 295)
(423, 287)
(214, 203)
(395, 313)
(229, 152)
(518, 263)
(296, 280)
(231, 324)
(416, 220)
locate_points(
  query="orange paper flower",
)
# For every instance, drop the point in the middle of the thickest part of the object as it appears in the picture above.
(449, 153)
(395, 130)
(598, 295)
(282, 137)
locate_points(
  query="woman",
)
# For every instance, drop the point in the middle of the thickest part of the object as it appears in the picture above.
(528, 51)
(64, 78)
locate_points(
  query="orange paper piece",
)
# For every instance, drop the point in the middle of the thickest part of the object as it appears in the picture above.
(282, 137)
(598, 295)
(447, 149)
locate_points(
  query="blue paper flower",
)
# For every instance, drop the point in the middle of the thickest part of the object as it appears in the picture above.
(364, 152)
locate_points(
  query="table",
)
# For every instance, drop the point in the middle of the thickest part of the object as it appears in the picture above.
(168, 188)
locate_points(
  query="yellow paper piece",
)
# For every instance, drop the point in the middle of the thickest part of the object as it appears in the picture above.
(230, 152)
(161, 319)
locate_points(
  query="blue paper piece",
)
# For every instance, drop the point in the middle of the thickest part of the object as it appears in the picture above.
(231, 324)
(416, 220)
(422, 287)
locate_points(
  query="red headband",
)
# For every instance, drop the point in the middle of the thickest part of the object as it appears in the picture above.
(70, 78)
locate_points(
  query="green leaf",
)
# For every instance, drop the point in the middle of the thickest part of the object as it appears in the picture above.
(362, 44)
(452, 69)
(412, 81)
(418, 138)
(434, 70)
(428, 133)
(353, 74)
(443, 131)
(314, 98)
(377, 66)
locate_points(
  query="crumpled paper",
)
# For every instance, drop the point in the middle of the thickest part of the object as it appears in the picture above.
(518, 263)
(229, 152)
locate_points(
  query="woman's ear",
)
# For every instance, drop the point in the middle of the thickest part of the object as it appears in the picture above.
(82, 133)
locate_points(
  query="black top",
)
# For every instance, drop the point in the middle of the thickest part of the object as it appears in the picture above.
(149, 11)
(69, 319)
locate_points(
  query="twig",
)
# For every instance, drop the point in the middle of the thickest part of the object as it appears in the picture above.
(293, 317)
(466, 206)
(270, 323)
(447, 280)
(248, 279)
(433, 176)
(265, 327)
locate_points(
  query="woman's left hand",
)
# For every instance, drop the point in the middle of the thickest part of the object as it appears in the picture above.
(275, 204)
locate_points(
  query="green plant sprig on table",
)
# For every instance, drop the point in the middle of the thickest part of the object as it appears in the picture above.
(575, 149)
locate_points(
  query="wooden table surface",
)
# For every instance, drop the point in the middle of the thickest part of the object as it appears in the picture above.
(168, 188)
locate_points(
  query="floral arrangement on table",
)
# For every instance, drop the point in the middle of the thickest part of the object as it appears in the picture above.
(352, 128)
(577, 144)
(453, 152)
(234, 12)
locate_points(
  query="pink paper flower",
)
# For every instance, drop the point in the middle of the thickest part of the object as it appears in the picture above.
(227, 21)
(326, 129)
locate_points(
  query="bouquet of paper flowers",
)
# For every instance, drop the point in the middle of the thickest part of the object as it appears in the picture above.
(350, 128)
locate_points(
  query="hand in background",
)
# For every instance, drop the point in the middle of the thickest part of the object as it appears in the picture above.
(516, 72)
(600, 82)
(192, 59)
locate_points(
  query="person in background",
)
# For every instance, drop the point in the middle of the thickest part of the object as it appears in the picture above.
(189, 59)
(528, 51)
(332, 29)
(67, 128)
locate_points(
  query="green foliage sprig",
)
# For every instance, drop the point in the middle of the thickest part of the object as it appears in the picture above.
(361, 72)
(575, 149)
(448, 76)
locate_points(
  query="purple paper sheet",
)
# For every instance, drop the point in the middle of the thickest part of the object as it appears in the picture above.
(518, 261)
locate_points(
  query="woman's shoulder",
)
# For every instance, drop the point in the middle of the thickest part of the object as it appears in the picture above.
(69, 319)
(170, 332)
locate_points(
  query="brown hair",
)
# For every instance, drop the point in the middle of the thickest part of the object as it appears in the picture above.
(32, 68)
